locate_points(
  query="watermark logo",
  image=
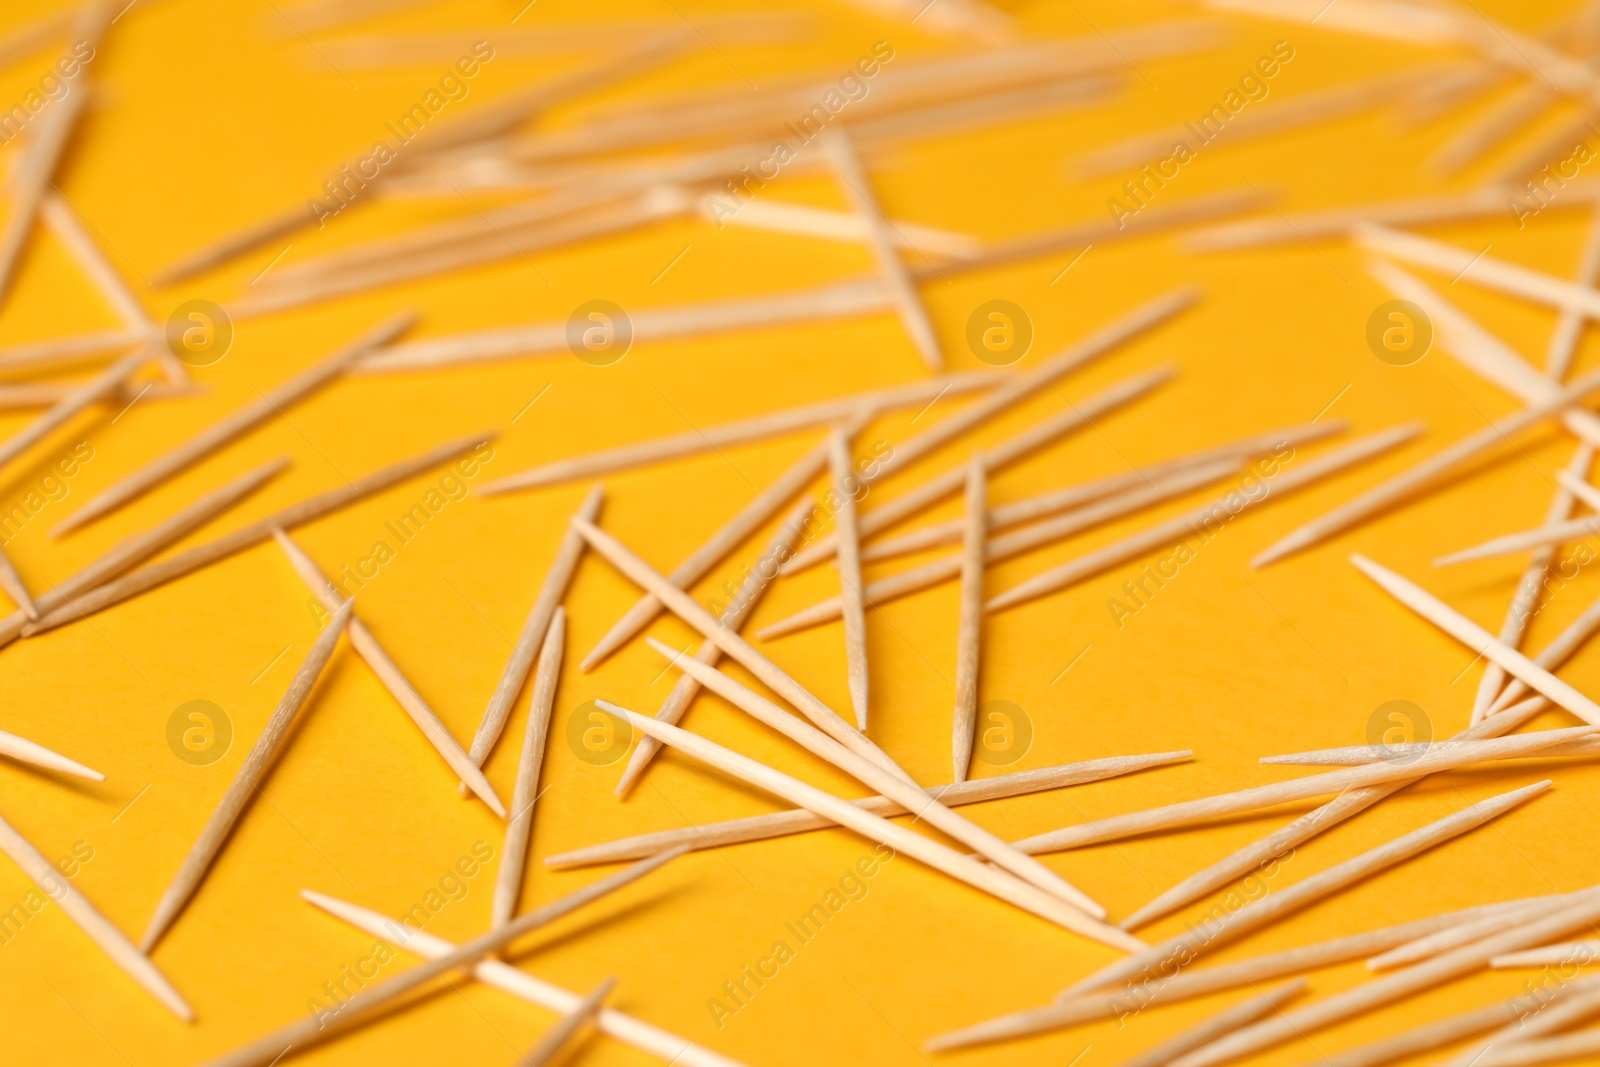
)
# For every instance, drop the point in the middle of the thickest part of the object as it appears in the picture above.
(999, 332)
(199, 732)
(199, 333)
(1399, 333)
(1396, 724)
(1004, 733)
(599, 333)
(597, 737)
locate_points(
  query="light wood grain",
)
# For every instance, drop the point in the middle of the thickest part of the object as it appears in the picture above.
(950, 482)
(75, 348)
(1386, 991)
(1014, 543)
(1485, 270)
(1202, 981)
(1180, 949)
(1478, 639)
(242, 421)
(519, 829)
(564, 1034)
(25, 751)
(1188, 812)
(1529, 598)
(107, 383)
(491, 972)
(245, 781)
(30, 182)
(515, 672)
(993, 881)
(857, 187)
(87, 918)
(383, 665)
(361, 1006)
(1409, 485)
(134, 549)
(799, 820)
(1513, 1015)
(913, 798)
(314, 507)
(727, 537)
(1444, 940)
(741, 432)
(11, 582)
(852, 604)
(1225, 1022)
(744, 653)
(755, 584)
(1320, 819)
(1269, 229)
(1045, 505)
(493, 120)
(1483, 353)
(1191, 524)
(970, 621)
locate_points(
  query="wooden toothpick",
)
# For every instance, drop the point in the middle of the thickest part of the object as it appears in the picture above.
(252, 414)
(1478, 639)
(389, 673)
(515, 673)
(87, 917)
(1268, 909)
(1387, 990)
(31, 182)
(563, 1033)
(1439, 941)
(913, 798)
(770, 674)
(1513, 1015)
(744, 431)
(750, 518)
(25, 751)
(11, 582)
(244, 783)
(314, 507)
(1075, 417)
(1225, 1022)
(107, 383)
(1016, 542)
(850, 581)
(308, 1031)
(1188, 812)
(1485, 270)
(1163, 534)
(1056, 501)
(133, 550)
(744, 601)
(519, 828)
(858, 191)
(1408, 485)
(57, 351)
(992, 880)
(1203, 981)
(1482, 352)
(1528, 599)
(1548, 954)
(970, 623)
(641, 1035)
(1538, 538)
(799, 820)
(1317, 821)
